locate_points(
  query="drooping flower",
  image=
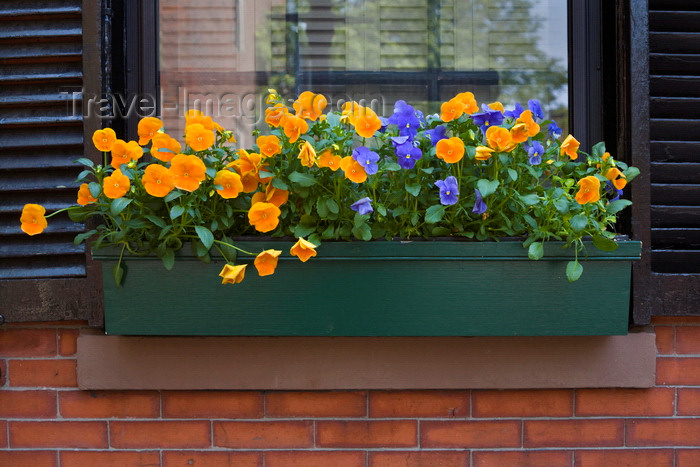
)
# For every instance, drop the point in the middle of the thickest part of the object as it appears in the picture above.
(589, 191)
(498, 138)
(437, 133)
(164, 147)
(450, 150)
(123, 152)
(269, 145)
(147, 128)
(310, 105)
(407, 155)
(329, 160)
(266, 262)
(617, 178)
(157, 180)
(307, 154)
(487, 118)
(264, 216)
(230, 183)
(536, 109)
(449, 190)
(188, 171)
(534, 153)
(84, 195)
(569, 147)
(303, 249)
(276, 196)
(232, 274)
(363, 206)
(33, 219)
(367, 159)
(480, 206)
(295, 127)
(404, 117)
(353, 170)
(116, 185)
(518, 133)
(198, 137)
(483, 153)
(104, 139)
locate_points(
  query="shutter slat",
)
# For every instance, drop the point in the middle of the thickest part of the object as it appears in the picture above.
(682, 172)
(675, 151)
(671, 63)
(670, 238)
(675, 107)
(675, 216)
(675, 194)
(674, 129)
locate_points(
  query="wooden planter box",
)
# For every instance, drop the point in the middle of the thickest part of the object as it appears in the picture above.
(420, 288)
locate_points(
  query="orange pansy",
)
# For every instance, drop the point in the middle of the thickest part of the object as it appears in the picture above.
(157, 180)
(188, 171)
(450, 150)
(276, 196)
(353, 170)
(303, 249)
(148, 127)
(307, 154)
(499, 139)
(116, 185)
(266, 262)
(123, 152)
(518, 134)
(483, 153)
(616, 177)
(230, 182)
(84, 195)
(589, 191)
(195, 116)
(452, 109)
(104, 139)
(310, 105)
(467, 98)
(232, 274)
(295, 127)
(328, 159)
(264, 216)
(276, 115)
(570, 147)
(367, 123)
(497, 106)
(164, 147)
(198, 137)
(269, 145)
(32, 219)
(526, 118)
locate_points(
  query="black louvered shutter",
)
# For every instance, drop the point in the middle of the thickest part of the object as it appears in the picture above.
(674, 69)
(43, 277)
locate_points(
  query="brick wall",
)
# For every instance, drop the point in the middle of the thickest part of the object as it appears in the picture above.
(46, 420)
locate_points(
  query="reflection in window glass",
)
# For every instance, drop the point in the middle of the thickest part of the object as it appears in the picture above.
(221, 56)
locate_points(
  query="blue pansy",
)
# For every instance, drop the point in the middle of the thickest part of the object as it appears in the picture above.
(363, 206)
(534, 152)
(610, 188)
(515, 113)
(488, 117)
(479, 205)
(449, 191)
(407, 155)
(405, 118)
(436, 134)
(368, 159)
(535, 108)
(554, 130)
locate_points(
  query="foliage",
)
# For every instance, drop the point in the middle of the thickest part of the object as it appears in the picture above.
(481, 174)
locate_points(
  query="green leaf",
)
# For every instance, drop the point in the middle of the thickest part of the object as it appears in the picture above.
(172, 195)
(118, 205)
(573, 270)
(301, 230)
(535, 251)
(229, 253)
(381, 209)
(279, 184)
(562, 205)
(83, 175)
(434, 214)
(605, 244)
(598, 149)
(321, 208)
(362, 232)
(118, 272)
(205, 236)
(79, 213)
(487, 187)
(617, 206)
(80, 238)
(513, 174)
(391, 166)
(85, 161)
(302, 179)
(631, 173)
(176, 211)
(578, 222)
(530, 200)
(95, 189)
(168, 258)
(155, 220)
(332, 206)
(413, 189)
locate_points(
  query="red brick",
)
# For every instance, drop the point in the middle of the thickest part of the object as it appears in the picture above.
(665, 340)
(663, 432)
(211, 458)
(522, 458)
(570, 433)
(315, 458)
(624, 458)
(58, 435)
(264, 435)
(29, 458)
(688, 401)
(419, 459)
(358, 434)
(687, 457)
(109, 458)
(316, 404)
(67, 342)
(674, 371)
(43, 373)
(212, 404)
(389, 404)
(3, 372)
(3, 434)
(671, 320)
(160, 434)
(523, 403)
(470, 434)
(27, 342)
(109, 404)
(28, 404)
(688, 340)
(625, 402)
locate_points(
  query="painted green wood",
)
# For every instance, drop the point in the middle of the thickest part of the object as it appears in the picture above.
(422, 288)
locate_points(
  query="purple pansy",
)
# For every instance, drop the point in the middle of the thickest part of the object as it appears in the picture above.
(488, 117)
(535, 108)
(405, 118)
(554, 130)
(407, 155)
(449, 190)
(363, 206)
(368, 159)
(515, 113)
(610, 188)
(479, 205)
(534, 152)
(436, 134)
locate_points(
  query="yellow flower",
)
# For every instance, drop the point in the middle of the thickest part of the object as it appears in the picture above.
(303, 249)
(295, 127)
(307, 154)
(266, 262)
(232, 274)
(452, 109)
(32, 219)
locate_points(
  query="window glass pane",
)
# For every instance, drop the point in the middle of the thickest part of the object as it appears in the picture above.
(221, 56)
